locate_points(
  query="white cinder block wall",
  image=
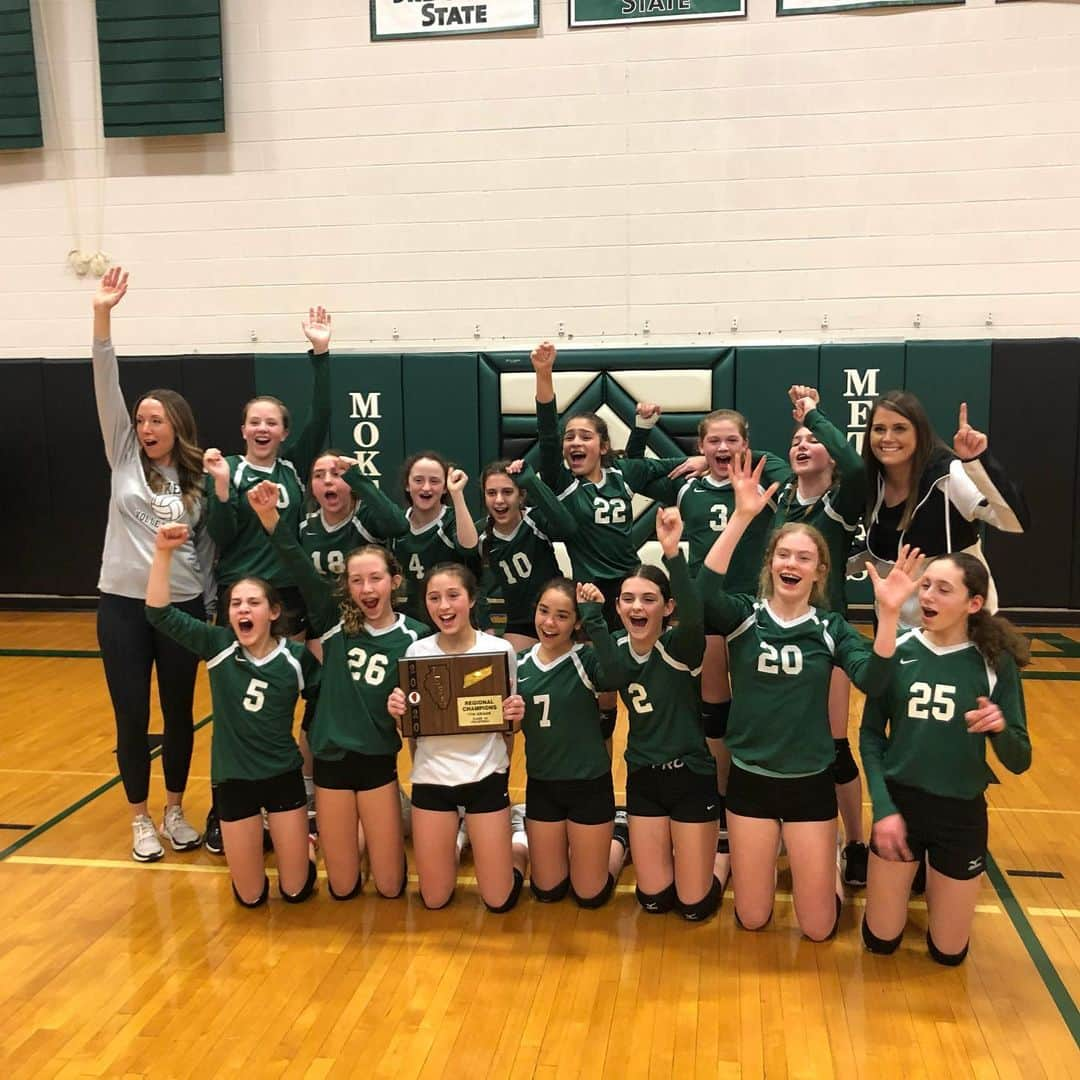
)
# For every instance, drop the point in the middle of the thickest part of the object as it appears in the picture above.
(862, 167)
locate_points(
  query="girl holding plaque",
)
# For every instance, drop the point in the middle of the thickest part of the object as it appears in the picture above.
(467, 770)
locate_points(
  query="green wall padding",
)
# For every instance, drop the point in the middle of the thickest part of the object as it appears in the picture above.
(161, 67)
(944, 373)
(762, 377)
(20, 109)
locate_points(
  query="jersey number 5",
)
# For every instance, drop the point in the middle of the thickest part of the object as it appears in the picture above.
(254, 696)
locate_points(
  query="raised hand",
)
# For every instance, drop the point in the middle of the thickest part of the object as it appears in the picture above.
(669, 529)
(456, 480)
(803, 398)
(692, 466)
(263, 497)
(891, 591)
(648, 410)
(111, 289)
(344, 464)
(395, 703)
(543, 358)
(968, 443)
(317, 329)
(170, 537)
(750, 500)
(987, 719)
(588, 593)
(890, 839)
(515, 467)
(214, 463)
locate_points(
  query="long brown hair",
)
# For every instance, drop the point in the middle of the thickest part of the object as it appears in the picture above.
(926, 442)
(352, 615)
(819, 592)
(187, 455)
(992, 635)
(599, 425)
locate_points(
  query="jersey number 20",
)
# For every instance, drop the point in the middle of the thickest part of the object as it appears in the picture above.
(772, 661)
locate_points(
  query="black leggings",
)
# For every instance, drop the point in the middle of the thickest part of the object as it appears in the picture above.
(130, 647)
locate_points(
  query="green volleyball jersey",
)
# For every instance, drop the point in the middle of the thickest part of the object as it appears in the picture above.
(780, 672)
(563, 740)
(418, 550)
(253, 699)
(836, 513)
(662, 690)
(358, 670)
(374, 521)
(928, 745)
(602, 549)
(517, 564)
(243, 548)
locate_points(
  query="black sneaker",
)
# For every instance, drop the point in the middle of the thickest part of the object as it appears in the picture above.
(212, 836)
(854, 858)
(918, 886)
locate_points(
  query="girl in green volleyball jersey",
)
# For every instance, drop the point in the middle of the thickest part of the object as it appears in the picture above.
(353, 738)
(575, 842)
(783, 649)
(954, 692)
(256, 675)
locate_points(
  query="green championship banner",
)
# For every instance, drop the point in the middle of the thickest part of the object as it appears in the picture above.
(816, 7)
(611, 12)
(391, 19)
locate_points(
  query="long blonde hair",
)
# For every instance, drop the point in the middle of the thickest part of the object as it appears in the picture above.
(819, 592)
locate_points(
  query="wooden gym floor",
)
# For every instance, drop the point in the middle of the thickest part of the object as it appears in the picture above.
(112, 969)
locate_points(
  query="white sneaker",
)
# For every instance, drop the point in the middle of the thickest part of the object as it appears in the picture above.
(518, 835)
(145, 845)
(178, 831)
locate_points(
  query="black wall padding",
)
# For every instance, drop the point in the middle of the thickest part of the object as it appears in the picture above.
(217, 388)
(1034, 429)
(25, 481)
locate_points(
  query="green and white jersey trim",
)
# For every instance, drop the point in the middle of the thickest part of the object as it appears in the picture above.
(281, 649)
(664, 655)
(573, 657)
(949, 650)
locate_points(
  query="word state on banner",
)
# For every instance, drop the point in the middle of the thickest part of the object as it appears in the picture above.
(608, 12)
(396, 19)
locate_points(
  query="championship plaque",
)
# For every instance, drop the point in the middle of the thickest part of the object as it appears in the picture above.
(454, 695)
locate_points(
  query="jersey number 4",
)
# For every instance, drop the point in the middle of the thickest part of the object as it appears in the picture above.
(772, 661)
(935, 702)
(371, 669)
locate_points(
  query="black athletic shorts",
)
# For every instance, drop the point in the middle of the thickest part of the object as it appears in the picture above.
(293, 609)
(951, 833)
(356, 771)
(584, 802)
(480, 797)
(239, 799)
(787, 798)
(672, 790)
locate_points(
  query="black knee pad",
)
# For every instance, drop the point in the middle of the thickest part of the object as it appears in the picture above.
(657, 903)
(306, 891)
(751, 929)
(597, 901)
(551, 896)
(404, 882)
(706, 907)
(512, 899)
(879, 946)
(714, 718)
(948, 959)
(844, 769)
(263, 896)
(607, 721)
(352, 894)
(438, 907)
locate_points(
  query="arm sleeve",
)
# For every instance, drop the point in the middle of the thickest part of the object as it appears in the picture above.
(855, 655)
(378, 513)
(980, 489)
(558, 522)
(318, 593)
(611, 669)
(1012, 747)
(723, 610)
(638, 441)
(312, 670)
(688, 641)
(195, 635)
(642, 474)
(222, 520)
(872, 746)
(302, 450)
(553, 471)
(848, 498)
(777, 469)
(112, 411)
